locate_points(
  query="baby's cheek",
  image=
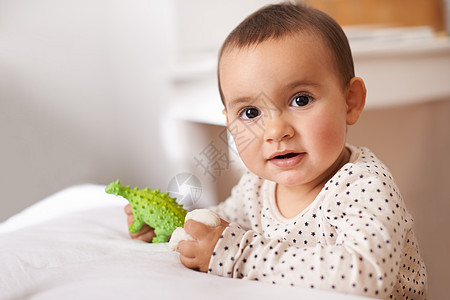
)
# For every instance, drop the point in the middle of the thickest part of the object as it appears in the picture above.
(329, 135)
(245, 139)
(250, 153)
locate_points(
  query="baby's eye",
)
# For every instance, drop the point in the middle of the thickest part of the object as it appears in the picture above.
(301, 100)
(249, 113)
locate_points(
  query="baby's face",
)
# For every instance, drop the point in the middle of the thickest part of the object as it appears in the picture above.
(286, 109)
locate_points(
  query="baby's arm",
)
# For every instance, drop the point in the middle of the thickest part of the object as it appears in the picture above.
(247, 254)
(146, 233)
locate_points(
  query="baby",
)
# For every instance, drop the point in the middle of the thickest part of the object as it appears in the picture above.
(311, 211)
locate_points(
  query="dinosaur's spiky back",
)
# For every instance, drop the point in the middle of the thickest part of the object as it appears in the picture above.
(153, 207)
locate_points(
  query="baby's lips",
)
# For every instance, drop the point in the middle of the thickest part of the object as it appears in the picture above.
(283, 153)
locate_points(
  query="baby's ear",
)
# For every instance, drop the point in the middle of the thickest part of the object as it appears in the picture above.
(355, 99)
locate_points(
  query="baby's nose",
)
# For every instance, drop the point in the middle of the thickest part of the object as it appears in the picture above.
(277, 129)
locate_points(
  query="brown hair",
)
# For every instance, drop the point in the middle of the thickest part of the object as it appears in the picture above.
(280, 20)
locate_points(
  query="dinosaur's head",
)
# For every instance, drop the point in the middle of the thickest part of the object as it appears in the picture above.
(114, 187)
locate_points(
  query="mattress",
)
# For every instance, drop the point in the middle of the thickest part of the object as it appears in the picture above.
(75, 245)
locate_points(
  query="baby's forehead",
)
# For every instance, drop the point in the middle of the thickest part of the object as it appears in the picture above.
(306, 37)
(293, 41)
(298, 44)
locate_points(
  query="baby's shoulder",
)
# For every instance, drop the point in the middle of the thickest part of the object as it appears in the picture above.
(363, 163)
(364, 173)
(363, 184)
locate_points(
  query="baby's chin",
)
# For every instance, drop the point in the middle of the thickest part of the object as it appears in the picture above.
(291, 178)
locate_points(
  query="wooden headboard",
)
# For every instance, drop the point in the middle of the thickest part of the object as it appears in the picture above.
(387, 12)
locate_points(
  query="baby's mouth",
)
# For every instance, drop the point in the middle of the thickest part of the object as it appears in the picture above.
(286, 156)
(287, 159)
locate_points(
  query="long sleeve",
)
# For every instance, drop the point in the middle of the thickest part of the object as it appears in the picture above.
(233, 209)
(354, 238)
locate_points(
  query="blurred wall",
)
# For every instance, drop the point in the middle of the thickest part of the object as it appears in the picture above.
(82, 87)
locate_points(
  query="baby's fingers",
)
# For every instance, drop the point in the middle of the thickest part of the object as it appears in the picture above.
(130, 219)
(196, 229)
(146, 234)
(128, 209)
(188, 256)
(187, 249)
(190, 263)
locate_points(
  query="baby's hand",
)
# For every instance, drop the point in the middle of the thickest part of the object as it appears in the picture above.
(146, 233)
(197, 253)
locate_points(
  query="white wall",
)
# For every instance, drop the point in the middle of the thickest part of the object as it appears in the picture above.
(82, 86)
(85, 83)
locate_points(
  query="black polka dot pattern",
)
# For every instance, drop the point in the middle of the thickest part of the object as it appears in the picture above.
(356, 237)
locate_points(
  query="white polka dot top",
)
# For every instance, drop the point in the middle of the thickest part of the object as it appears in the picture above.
(356, 237)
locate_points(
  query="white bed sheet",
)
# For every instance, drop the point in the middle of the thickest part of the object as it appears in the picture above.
(75, 245)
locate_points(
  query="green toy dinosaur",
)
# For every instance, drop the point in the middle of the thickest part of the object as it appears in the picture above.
(152, 207)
